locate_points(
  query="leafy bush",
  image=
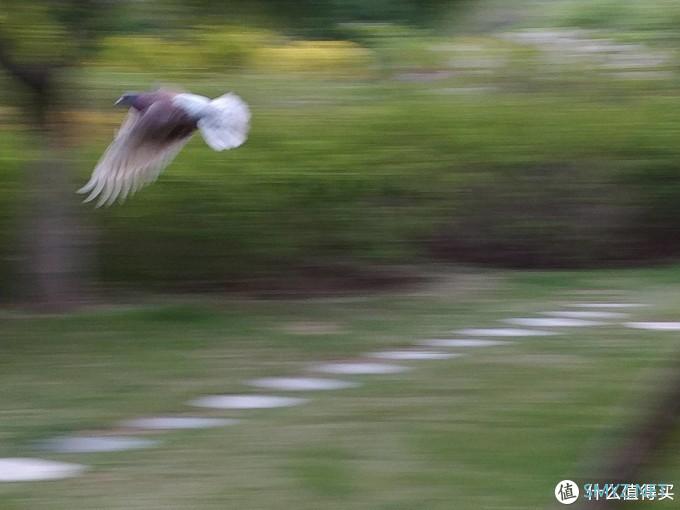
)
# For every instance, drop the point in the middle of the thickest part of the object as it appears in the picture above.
(222, 49)
(651, 20)
(396, 46)
(150, 54)
(318, 57)
(214, 49)
(15, 150)
(511, 181)
(230, 47)
(377, 177)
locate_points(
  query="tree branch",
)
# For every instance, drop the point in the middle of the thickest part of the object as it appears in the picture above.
(37, 76)
(33, 76)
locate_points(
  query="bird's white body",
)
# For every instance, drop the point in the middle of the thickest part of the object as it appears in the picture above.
(154, 133)
(193, 104)
(223, 122)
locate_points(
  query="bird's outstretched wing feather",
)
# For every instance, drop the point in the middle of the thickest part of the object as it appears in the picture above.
(142, 148)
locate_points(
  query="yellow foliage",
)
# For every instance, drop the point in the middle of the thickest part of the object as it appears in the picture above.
(230, 47)
(321, 57)
(145, 53)
(202, 49)
(219, 49)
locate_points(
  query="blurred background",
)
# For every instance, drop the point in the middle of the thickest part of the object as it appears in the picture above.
(486, 153)
(385, 132)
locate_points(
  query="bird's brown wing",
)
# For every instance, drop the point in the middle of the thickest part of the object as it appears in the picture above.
(142, 148)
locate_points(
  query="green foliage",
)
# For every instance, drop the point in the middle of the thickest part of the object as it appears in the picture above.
(321, 18)
(376, 177)
(227, 48)
(35, 32)
(200, 50)
(482, 181)
(146, 53)
(292, 197)
(487, 153)
(15, 150)
(47, 32)
(396, 46)
(629, 15)
(335, 58)
(651, 20)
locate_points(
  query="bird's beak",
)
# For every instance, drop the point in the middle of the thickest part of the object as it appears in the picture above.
(118, 101)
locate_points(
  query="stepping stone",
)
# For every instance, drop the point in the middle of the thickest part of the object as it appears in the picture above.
(587, 314)
(301, 383)
(657, 326)
(462, 342)
(29, 470)
(505, 332)
(177, 422)
(598, 292)
(360, 368)
(246, 401)
(96, 444)
(546, 322)
(413, 355)
(606, 305)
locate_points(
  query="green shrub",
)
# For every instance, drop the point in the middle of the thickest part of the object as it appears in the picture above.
(331, 58)
(149, 54)
(217, 50)
(381, 177)
(223, 48)
(15, 150)
(647, 20)
(396, 47)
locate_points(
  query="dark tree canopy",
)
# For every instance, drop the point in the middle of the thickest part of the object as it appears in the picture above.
(321, 18)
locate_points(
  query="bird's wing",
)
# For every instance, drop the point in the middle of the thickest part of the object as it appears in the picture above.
(138, 154)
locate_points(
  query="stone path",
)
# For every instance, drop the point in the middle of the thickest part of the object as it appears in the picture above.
(586, 314)
(658, 326)
(95, 444)
(177, 423)
(246, 401)
(606, 305)
(372, 363)
(360, 368)
(412, 355)
(544, 322)
(30, 470)
(301, 383)
(505, 332)
(462, 342)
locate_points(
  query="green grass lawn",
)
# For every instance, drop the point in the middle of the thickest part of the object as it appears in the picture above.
(494, 429)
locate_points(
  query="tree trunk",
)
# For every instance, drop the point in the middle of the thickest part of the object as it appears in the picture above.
(53, 262)
(645, 443)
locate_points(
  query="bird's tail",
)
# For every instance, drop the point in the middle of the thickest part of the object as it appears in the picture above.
(225, 122)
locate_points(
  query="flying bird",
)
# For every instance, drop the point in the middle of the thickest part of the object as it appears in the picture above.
(158, 125)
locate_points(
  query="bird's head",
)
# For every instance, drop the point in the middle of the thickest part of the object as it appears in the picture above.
(127, 99)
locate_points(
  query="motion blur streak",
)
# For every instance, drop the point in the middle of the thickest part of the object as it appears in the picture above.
(414, 171)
